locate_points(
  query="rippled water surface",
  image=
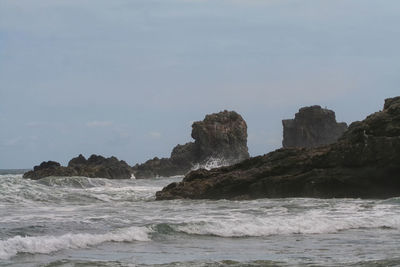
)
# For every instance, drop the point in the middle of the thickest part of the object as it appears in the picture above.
(76, 221)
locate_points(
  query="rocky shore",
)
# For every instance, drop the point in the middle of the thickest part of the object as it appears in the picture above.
(93, 167)
(363, 163)
(220, 135)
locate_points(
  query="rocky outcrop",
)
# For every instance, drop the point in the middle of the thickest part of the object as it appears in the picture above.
(94, 166)
(312, 127)
(363, 163)
(220, 135)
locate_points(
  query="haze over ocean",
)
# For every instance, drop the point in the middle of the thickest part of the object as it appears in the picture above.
(127, 78)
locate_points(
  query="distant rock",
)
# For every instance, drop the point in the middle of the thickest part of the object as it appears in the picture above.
(312, 127)
(363, 163)
(94, 166)
(47, 165)
(220, 135)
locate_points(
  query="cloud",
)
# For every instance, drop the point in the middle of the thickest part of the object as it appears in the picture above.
(155, 135)
(34, 124)
(13, 141)
(99, 124)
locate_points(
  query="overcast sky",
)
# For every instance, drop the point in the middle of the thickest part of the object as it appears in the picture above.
(127, 78)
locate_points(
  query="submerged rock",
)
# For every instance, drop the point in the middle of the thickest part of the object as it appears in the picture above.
(312, 127)
(94, 166)
(363, 163)
(220, 135)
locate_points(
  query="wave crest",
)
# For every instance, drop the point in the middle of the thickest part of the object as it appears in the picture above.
(73, 181)
(48, 244)
(257, 227)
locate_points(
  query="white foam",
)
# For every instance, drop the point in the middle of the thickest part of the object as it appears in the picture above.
(174, 176)
(282, 225)
(3, 176)
(48, 244)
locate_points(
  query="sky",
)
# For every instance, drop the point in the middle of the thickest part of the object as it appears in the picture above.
(128, 77)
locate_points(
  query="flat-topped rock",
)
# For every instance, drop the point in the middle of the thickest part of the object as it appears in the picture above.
(363, 163)
(221, 135)
(312, 127)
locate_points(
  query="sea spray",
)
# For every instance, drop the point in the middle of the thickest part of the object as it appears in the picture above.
(211, 163)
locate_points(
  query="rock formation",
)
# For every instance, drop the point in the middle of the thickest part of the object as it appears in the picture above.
(219, 135)
(312, 127)
(363, 163)
(94, 166)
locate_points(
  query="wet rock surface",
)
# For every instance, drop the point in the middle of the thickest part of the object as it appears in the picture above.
(94, 167)
(220, 135)
(363, 163)
(312, 127)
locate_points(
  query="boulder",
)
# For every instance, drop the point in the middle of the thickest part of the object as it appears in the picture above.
(220, 135)
(94, 166)
(363, 163)
(312, 127)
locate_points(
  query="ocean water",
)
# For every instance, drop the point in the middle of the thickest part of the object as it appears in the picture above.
(76, 221)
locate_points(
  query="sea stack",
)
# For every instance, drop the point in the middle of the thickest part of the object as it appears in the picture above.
(94, 167)
(312, 127)
(220, 136)
(363, 163)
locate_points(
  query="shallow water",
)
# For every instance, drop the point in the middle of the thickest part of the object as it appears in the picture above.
(77, 221)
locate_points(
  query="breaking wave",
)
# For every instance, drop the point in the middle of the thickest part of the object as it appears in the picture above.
(48, 244)
(306, 224)
(15, 189)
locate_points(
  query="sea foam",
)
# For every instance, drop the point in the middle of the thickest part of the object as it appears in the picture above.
(48, 244)
(281, 225)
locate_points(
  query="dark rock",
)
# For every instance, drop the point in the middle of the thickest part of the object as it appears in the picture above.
(51, 171)
(158, 167)
(221, 135)
(183, 156)
(94, 166)
(312, 127)
(363, 163)
(78, 161)
(46, 165)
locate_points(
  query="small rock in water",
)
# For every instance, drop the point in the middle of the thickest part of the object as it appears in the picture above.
(94, 167)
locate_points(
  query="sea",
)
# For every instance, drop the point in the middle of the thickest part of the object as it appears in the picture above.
(78, 221)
